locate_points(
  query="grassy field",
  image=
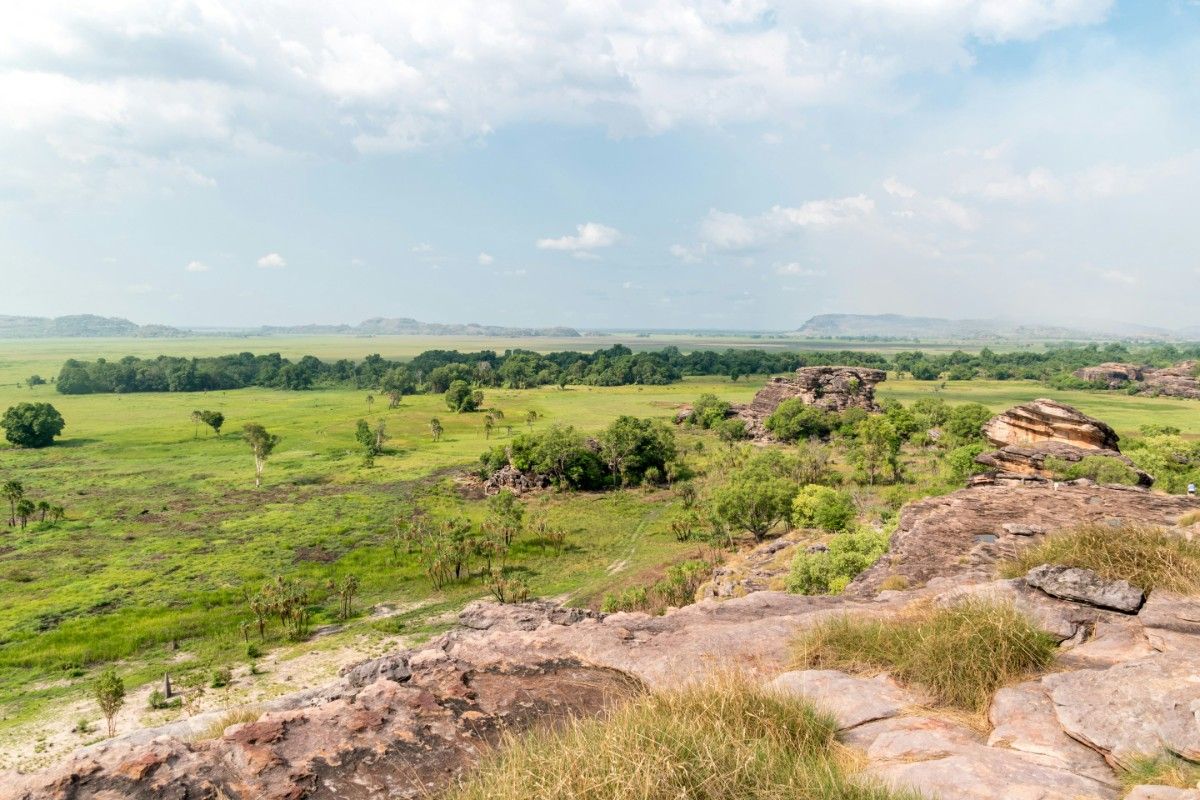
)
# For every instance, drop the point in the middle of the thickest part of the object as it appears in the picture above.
(166, 533)
(165, 530)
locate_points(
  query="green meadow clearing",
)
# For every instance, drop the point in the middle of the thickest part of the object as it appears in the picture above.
(165, 532)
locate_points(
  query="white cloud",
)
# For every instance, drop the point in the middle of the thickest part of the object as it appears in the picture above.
(689, 255)
(131, 93)
(139, 288)
(797, 270)
(272, 261)
(196, 266)
(728, 231)
(423, 247)
(515, 273)
(485, 259)
(898, 189)
(589, 236)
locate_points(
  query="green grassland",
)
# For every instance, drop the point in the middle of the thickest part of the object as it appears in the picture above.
(166, 532)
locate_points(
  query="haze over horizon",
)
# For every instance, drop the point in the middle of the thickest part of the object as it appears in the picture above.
(676, 164)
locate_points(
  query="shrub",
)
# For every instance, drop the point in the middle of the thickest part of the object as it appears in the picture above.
(894, 583)
(961, 463)
(1146, 556)
(728, 741)
(831, 571)
(708, 410)
(221, 677)
(216, 728)
(631, 599)
(793, 420)
(1101, 469)
(732, 430)
(821, 507)
(960, 654)
(964, 423)
(253, 651)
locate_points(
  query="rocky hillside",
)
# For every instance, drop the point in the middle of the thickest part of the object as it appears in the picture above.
(1180, 380)
(405, 724)
(78, 325)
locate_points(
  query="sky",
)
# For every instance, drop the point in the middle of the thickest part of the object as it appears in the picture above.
(602, 163)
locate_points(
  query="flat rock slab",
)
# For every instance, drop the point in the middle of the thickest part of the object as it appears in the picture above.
(1130, 709)
(1023, 719)
(852, 701)
(1085, 586)
(945, 761)
(1171, 621)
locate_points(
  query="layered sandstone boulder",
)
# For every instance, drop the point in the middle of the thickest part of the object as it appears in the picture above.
(1030, 434)
(827, 388)
(1111, 374)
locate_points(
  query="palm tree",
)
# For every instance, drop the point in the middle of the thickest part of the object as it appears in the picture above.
(370, 402)
(43, 508)
(12, 491)
(530, 418)
(57, 513)
(25, 509)
(435, 428)
(489, 422)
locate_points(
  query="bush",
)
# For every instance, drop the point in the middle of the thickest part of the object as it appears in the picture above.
(32, 424)
(961, 463)
(1148, 557)
(462, 398)
(732, 430)
(708, 410)
(822, 507)
(831, 571)
(793, 420)
(728, 741)
(964, 423)
(1101, 469)
(961, 654)
(253, 651)
(221, 677)
(1162, 769)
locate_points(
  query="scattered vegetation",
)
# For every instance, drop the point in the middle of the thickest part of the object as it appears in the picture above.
(677, 588)
(1148, 557)
(109, 692)
(831, 570)
(960, 654)
(1101, 469)
(724, 741)
(1161, 769)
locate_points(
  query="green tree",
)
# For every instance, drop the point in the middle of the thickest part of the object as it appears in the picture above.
(531, 417)
(877, 448)
(35, 380)
(32, 424)
(13, 491)
(489, 422)
(435, 429)
(630, 446)
(109, 692)
(262, 444)
(505, 516)
(461, 397)
(822, 507)
(964, 423)
(793, 420)
(754, 501)
(214, 420)
(43, 508)
(197, 421)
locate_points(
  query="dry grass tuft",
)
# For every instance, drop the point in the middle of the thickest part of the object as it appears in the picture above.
(1148, 557)
(1164, 769)
(728, 740)
(216, 729)
(1189, 519)
(960, 654)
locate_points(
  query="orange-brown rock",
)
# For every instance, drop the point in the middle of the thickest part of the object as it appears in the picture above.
(1045, 420)
(828, 388)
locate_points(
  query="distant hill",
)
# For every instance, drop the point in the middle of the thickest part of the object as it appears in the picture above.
(78, 325)
(404, 326)
(898, 326)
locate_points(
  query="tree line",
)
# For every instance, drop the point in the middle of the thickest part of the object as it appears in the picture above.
(435, 371)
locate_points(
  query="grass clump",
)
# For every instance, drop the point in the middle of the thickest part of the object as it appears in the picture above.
(728, 740)
(1148, 557)
(960, 654)
(1189, 519)
(1162, 769)
(216, 729)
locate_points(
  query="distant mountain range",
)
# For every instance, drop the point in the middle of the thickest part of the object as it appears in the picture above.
(79, 325)
(91, 326)
(898, 326)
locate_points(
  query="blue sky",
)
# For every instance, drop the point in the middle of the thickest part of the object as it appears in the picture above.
(666, 163)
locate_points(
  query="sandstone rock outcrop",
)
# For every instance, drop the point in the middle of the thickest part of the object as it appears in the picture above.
(1045, 420)
(828, 388)
(1179, 380)
(1030, 434)
(964, 534)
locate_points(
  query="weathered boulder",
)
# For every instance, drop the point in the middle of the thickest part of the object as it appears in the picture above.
(1085, 586)
(513, 479)
(828, 388)
(1162, 793)
(1045, 420)
(963, 534)
(1110, 374)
